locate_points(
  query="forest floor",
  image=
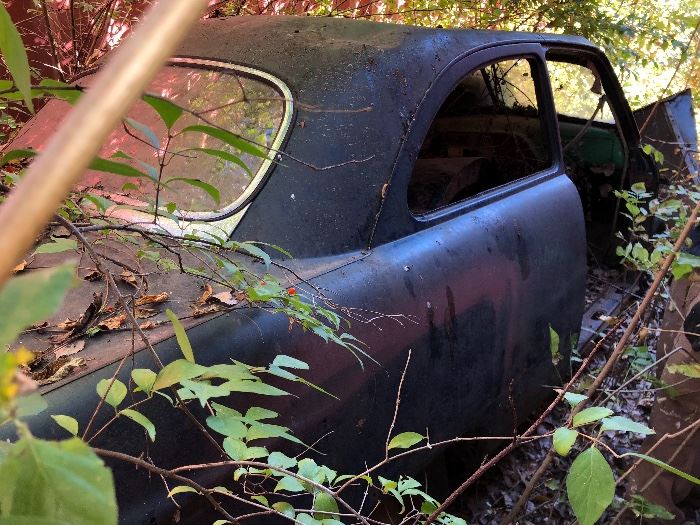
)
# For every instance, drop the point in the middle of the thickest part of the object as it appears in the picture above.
(497, 492)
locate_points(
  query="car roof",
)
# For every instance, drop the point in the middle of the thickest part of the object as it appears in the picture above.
(356, 86)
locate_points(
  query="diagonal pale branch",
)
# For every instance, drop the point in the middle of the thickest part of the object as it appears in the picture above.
(54, 172)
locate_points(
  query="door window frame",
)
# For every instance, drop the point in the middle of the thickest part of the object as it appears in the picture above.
(396, 210)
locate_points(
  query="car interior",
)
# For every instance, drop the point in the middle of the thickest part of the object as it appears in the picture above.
(489, 133)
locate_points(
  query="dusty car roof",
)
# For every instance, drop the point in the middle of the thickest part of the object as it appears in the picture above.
(356, 86)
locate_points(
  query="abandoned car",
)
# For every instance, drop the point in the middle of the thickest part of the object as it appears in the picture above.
(447, 189)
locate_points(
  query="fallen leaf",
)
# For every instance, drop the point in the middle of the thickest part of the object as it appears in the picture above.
(152, 299)
(148, 325)
(205, 295)
(128, 278)
(63, 372)
(112, 323)
(204, 310)
(144, 313)
(39, 326)
(84, 322)
(93, 275)
(226, 298)
(68, 324)
(60, 231)
(21, 266)
(70, 349)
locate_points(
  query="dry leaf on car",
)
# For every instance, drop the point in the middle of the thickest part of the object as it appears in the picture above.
(148, 325)
(39, 326)
(70, 349)
(93, 275)
(112, 323)
(199, 311)
(144, 313)
(68, 325)
(129, 278)
(206, 294)
(60, 231)
(21, 266)
(152, 299)
(226, 298)
(84, 322)
(63, 372)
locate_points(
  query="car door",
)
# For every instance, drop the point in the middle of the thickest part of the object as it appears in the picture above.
(481, 239)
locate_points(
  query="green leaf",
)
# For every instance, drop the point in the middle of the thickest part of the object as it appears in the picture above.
(325, 506)
(642, 508)
(224, 155)
(31, 298)
(180, 489)
(289, 484)
(227, 424)
(685, 369)
(67, 92)
(665, 466)
(227, 137)
(574, 399)
(116, 393)
(145, 130)
(168, 111)
(258, 414)
(590, 486)
(554, 345)
(68, 423)
(177, 371)
(405, 440)
(289, 362)
(277, 459)
(57, 245)
(56, 482)
(261, 499)
(142, 420)
(284, 508)
(253, 250)
(624, 424)
(100, 202)
(30, 405)
(306, 519)
(144, 379)
(201, 390)
(265, 431)
(181, 336)
(254, 387)
(15, 56)
(16, 154)
(117, 168)
(197, 183)
(590, 415)
(564, 439)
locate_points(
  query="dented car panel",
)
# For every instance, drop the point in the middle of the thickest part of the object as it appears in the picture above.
(471, 290)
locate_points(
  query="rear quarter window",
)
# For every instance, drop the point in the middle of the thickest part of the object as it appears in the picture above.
(250, 104)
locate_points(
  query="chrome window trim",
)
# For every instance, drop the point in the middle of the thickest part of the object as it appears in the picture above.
(222, 222)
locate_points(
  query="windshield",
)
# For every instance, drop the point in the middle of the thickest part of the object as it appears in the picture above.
(237, 100)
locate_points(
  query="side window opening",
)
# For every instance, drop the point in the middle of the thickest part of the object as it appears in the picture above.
(594, 151)
(487, 133)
